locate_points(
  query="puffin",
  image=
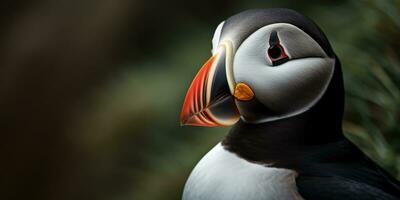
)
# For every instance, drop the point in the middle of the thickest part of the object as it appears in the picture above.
(275, 79)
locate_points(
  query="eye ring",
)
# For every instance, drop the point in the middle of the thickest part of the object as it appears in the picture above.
(277, 55)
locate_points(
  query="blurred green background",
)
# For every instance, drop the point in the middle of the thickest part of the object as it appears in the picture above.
(91, 90)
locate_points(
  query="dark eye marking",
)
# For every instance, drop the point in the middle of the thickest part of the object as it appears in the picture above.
(275, 51)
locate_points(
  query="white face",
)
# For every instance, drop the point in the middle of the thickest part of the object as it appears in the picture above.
(288, 86)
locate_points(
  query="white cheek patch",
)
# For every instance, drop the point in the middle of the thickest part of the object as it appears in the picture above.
(292, 87)
(216, 37)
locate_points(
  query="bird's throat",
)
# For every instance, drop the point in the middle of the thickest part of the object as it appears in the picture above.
(282, 142)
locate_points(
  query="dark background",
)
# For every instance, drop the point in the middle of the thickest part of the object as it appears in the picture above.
(91, 90)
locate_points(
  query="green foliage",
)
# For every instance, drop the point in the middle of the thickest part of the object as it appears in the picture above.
(372, 91)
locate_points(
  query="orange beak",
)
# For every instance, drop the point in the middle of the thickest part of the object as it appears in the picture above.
(208, 101)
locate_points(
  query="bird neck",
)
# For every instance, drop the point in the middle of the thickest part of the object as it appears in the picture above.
(282, 142)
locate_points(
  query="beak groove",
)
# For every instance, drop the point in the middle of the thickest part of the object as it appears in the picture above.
(208, 101)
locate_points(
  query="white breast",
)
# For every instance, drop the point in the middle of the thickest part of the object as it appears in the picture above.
(222, 175)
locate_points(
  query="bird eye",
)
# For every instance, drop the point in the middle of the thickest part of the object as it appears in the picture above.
(276, 52)
(277, 55)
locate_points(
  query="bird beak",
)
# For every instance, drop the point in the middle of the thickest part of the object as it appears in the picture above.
(209, 100)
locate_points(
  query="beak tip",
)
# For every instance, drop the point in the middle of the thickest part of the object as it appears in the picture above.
(183, 118)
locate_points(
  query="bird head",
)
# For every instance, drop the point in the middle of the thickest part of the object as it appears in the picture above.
(266, 65)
